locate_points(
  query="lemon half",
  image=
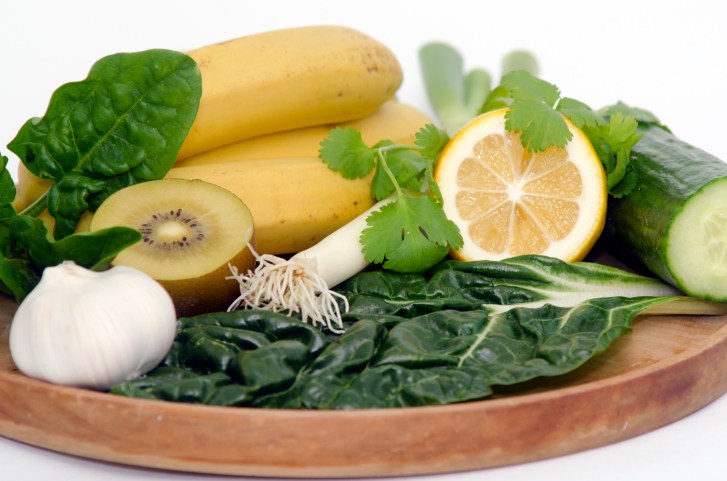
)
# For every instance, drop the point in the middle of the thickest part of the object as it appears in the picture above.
(508, 201)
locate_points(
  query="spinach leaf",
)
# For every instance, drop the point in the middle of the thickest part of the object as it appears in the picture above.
(7, 190)
(446, 336)
(93, 250)
(26, 248)
(123, 124)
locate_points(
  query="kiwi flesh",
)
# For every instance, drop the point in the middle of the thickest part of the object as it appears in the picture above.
(191, 230)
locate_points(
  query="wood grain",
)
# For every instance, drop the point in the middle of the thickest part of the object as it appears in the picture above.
(667, 368)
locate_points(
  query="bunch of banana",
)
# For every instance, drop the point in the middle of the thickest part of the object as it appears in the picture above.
(295, 199)
(268, 101)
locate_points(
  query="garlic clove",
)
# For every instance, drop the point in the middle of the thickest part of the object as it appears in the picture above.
(92, 329)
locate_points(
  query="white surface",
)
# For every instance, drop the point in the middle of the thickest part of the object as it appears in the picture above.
(669, 57)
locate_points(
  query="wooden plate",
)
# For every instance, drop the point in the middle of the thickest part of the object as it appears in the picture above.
(667, 368)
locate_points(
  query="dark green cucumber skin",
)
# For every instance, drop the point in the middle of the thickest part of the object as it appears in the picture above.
(670, 172)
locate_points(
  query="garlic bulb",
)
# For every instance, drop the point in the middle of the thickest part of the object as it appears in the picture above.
(92, 329)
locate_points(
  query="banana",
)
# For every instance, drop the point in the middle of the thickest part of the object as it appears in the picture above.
(295, 199)
(28, 188)
(287, 79)
(394, 120)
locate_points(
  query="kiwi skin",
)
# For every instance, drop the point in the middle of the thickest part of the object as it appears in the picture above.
(210, 292)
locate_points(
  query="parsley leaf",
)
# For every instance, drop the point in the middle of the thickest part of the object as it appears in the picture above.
(411, 233)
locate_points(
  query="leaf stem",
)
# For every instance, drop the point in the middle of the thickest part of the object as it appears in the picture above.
(382, 160)
(37, 207)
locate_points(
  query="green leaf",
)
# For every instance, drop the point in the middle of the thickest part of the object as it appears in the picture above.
(613, 142)
(412, 339)
(621, 132)
(642, 116)
(539, 126)
(67, 200)
(409, 234)
(498, 98)
(405, 164)
(7, 190)
(416, 233)
(625, 185)
(522, 85)
(17, 278)
(93, 250)
(26, 248)
(579, 113)
(430, 141)
(344, 151)
(123, 124)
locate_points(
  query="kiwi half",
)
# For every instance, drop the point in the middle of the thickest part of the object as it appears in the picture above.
(190, 231)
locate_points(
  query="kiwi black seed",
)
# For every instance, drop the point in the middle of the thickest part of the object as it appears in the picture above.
(188, 230)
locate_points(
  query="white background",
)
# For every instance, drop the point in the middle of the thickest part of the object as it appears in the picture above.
(668, 57)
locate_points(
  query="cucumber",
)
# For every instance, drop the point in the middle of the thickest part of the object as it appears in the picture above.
(675, 220)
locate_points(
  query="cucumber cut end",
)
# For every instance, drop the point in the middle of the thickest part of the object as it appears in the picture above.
(697, 249)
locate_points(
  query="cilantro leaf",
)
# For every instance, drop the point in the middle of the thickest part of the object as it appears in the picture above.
(430, 140)
(407, 167)
(538, 124)
(643, 117)
(621, 132)
(523, 85)
(345, 152)
(626, 185)
(579, 113)
(409, 234)
(498, 98)
(613, 142)
(536, 110)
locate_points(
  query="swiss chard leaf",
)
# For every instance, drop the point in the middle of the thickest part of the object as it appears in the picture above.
(446, 336)
(123, 124)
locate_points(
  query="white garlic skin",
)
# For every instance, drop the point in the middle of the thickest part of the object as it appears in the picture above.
(92, 329)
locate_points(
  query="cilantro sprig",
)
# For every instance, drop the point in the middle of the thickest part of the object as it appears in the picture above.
(411, 233)
(537, 111)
